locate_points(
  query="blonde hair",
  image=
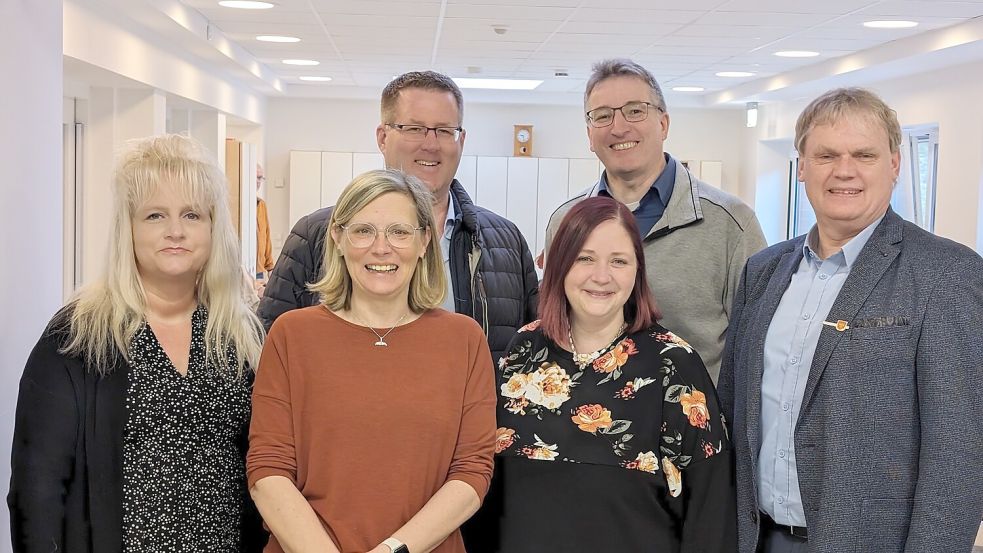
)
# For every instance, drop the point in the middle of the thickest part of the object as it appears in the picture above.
(845, 102)
(428, 284)
(103, 318)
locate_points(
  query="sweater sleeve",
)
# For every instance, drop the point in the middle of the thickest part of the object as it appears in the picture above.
(475, 448)
(46, 428)
(271, 432)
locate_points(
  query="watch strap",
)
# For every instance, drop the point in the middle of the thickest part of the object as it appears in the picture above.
(395, 545)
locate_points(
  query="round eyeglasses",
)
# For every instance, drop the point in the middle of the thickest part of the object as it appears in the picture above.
(363, 235)
(418, 133)
(633, 112)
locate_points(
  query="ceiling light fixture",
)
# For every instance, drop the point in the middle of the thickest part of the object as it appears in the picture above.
(890, 24)
(688, 88)
(497, 84)
(315, 79)
(796, 54)
(301, 62)
(246, 4)
(277, 38)
(735, 74)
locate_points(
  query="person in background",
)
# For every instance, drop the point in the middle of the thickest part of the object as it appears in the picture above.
(610, 437)
(264, 246)
(132, 417)
(851, 374)
(374, 420)
(696, 237)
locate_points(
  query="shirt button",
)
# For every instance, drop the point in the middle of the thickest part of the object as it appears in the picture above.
(823, 277)
(805, 316)
(781, 453)
(781, 500)
(793, 360)
(786, 406)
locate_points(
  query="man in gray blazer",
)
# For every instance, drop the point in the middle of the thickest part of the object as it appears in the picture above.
(851, 374)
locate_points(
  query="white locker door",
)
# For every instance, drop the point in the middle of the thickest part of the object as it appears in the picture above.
(583, 174)
(336, 173)
(305, 184)
(553, 186)
(467, 174)
(492, 184)
(522, 196)
(366, 162)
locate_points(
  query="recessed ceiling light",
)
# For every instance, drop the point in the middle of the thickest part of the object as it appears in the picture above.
(688, 88)
(735, 74)
(314, 79)
(301, 62)
(246, 4)
(498, 84)
(277, 38)
(890, 24)
(796, 54)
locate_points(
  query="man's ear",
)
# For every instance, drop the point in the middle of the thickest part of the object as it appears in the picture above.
(380, 137)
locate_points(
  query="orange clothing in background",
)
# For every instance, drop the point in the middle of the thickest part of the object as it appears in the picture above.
(264, 247)
(369, 433)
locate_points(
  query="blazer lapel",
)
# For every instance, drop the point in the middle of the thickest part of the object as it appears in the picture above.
(777, 284)
(867, 270)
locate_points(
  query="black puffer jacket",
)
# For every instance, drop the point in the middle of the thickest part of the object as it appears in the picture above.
(501, 294)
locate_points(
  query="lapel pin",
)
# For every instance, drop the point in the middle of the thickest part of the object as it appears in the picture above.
(839, 325)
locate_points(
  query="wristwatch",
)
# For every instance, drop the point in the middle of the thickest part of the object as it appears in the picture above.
(395, 545)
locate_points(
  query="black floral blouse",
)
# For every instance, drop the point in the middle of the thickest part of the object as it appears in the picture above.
(184, 481)
(628, 453)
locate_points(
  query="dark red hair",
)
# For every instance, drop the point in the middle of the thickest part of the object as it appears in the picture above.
(640, 309)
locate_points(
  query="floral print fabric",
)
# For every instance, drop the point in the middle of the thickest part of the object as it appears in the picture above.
(646, 404)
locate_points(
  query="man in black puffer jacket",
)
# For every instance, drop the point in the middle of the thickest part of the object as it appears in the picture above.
(491, 273)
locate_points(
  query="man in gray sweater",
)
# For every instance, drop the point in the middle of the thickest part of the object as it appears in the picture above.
(696, 237)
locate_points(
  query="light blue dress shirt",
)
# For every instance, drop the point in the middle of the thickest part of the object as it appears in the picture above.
(445, 249)
(789, 348)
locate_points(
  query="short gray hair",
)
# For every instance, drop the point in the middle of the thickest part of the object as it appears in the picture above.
(623, 67)
(840, 103)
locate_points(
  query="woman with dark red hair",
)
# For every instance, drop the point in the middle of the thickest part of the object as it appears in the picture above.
(611, 437)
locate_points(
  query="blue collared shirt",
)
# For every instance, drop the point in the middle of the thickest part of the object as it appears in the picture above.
(445, 249)
(790, 346)
(653, 203)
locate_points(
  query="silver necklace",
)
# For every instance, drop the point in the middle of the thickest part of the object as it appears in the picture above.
(382, 337)
(584, 359)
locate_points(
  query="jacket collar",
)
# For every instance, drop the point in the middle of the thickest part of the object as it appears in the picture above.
(464, 207)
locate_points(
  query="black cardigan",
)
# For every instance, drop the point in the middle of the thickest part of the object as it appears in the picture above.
(66, 484)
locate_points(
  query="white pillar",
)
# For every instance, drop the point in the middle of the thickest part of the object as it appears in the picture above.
(208, 127)
(31, 204)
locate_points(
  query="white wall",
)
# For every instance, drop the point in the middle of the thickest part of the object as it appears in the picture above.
(949, 97)
(559, 131)
(31, 211)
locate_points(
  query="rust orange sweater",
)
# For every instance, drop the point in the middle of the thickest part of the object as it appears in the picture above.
(368, 433)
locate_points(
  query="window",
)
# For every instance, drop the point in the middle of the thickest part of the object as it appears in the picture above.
(914, 193)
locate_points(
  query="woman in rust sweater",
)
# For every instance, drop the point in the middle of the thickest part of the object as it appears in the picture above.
(373, 413)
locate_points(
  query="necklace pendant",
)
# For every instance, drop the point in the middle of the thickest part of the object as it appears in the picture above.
(381, 343)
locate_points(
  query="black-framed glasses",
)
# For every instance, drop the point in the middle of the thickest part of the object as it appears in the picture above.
(633, 112)
(363, 235)
(418, 133)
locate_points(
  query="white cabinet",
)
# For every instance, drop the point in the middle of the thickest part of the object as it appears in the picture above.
(305, 184)
(366, 162)
(493, 176)
(467, 175)
(551, 192)
(583, 174)
(521, 197)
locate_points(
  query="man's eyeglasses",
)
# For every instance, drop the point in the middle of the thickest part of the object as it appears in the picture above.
(418, 133)
(633, 112)
(363, 235)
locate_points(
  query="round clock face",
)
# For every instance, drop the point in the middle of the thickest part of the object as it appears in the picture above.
(522, 135)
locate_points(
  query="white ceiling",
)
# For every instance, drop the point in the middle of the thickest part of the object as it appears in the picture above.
(361, 44)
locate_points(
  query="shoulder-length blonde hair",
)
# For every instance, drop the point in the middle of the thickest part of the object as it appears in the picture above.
(103, 317)
(428, 285)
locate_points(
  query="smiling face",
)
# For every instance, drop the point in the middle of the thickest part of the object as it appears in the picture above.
(172, 239)
(380, 271)
(602, 276)
(849, 173)
(432, 160)
(629, 151)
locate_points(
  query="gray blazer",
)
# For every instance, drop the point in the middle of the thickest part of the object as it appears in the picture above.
(889, 440)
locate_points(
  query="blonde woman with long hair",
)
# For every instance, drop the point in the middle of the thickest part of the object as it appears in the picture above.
(133, 411)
